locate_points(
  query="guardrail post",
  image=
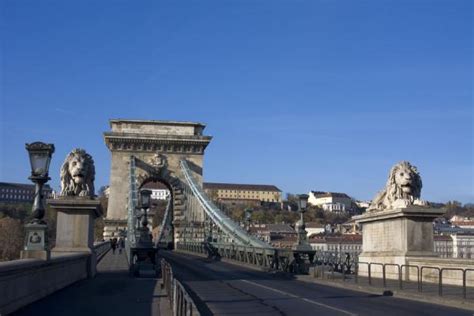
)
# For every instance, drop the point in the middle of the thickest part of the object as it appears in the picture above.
(356, 270)
(369, 274)
(383, 276)
(464, 276)
(419, 280)
(440, 287)
(175, 294)
(399, 276)
(420, 283)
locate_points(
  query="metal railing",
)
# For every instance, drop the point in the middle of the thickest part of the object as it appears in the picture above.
(181, 302)
(283, 260)
(101, 248)
(422, 278)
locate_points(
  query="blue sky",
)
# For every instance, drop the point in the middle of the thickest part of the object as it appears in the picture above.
(307, 95)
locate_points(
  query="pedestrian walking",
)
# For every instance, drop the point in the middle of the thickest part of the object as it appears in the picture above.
(113, 244)
(120, 245)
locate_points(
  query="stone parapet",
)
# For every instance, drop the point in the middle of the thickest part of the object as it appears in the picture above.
(450, 268)
(27, 280)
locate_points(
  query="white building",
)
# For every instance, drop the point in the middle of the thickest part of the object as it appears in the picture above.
(463, 246)
(463, 222)
(330, 201)
(314, 228)
(443, 246)
(363, 204)
(160, 194)
(351, 244)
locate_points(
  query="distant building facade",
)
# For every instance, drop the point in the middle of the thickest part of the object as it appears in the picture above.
(331, 201)
(160, 194)
(443, 246)
(20, 192)
(314, 228)
(159, 191)
(243, 193)
(463, 246)
(347, 243)
(275, 234)
(463, 222)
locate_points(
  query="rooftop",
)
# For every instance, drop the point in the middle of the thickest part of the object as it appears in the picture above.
(346, 238)
(235, 186)
(330, 194)
(442, 238)
(314, 225)
(157, 122)
(22, 185)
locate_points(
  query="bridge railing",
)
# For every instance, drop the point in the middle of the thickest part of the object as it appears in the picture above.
(101, 248)
(451, 281)
(181, 302)
(269, 259)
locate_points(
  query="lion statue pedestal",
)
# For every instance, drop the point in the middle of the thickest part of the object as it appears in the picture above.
(77, 207)
(397, 226)
(393, 236)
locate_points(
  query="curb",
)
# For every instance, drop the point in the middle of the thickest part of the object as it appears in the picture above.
(396, 293)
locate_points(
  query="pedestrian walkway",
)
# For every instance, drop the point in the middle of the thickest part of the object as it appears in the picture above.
(111, 292)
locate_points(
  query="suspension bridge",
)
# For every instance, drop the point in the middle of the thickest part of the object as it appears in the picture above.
(201, 262)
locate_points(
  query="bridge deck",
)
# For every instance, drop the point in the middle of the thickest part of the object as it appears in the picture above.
(111, 292)
(227, 289)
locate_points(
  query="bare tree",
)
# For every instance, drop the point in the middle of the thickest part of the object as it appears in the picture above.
(11, 238)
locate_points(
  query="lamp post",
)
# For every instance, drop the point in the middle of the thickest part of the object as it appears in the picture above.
(248, 218)
(142, 233)
(36, 243)
(40, 158)
(300, 227)
(145, 196)
(143, 252)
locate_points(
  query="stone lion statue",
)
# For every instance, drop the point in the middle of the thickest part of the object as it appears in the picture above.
(403, 188)
(78, 174)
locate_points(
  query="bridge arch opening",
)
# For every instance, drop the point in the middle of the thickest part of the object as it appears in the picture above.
(166, 198)
(160, 198)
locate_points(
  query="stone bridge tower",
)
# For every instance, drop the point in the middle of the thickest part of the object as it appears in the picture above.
(148, 141)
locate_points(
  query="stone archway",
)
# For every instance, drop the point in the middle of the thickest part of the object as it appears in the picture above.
(158, 148)
(151, 171)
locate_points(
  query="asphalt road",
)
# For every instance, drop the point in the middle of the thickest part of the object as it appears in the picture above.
(221, 288)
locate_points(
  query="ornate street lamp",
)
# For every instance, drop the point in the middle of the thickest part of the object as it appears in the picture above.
(36, 237)
(145, 197)
(40, 158)
(302, 202)
(248, 218)
(300, 227)
(143, 250)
